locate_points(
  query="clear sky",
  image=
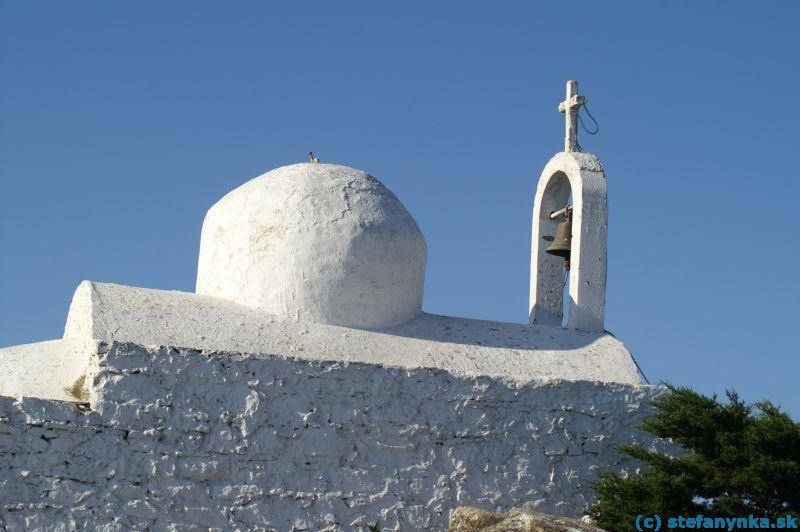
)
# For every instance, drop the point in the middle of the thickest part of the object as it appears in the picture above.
(122, 122)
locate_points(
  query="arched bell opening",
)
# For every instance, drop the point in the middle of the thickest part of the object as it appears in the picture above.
(558, 229)
(561, 247)
(557, 194)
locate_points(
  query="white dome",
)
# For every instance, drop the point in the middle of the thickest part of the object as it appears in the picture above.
(315, 242)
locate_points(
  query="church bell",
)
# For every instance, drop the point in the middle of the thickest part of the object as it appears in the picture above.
(562, 242)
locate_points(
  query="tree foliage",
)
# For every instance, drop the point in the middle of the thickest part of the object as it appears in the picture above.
(739, 460)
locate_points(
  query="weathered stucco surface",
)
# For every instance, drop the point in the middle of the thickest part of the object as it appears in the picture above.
(315, 242)
(197, 439)
(47, 370)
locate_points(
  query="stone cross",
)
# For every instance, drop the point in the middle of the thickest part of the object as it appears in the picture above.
(570, 108)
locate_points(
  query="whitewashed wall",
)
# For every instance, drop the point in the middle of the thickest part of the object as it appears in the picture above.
(225, 440)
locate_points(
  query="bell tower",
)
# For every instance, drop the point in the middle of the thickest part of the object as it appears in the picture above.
(581, 257)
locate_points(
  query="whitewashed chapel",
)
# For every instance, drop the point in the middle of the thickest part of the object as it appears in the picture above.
(301, 387)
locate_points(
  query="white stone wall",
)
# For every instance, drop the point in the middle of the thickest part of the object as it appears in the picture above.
(230, 441)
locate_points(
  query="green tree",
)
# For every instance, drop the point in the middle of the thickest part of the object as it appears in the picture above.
(738, 460)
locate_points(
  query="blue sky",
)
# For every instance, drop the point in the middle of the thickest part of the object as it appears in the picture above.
(123, 122)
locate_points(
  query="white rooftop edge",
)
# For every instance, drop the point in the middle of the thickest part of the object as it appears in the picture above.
(111, 312)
